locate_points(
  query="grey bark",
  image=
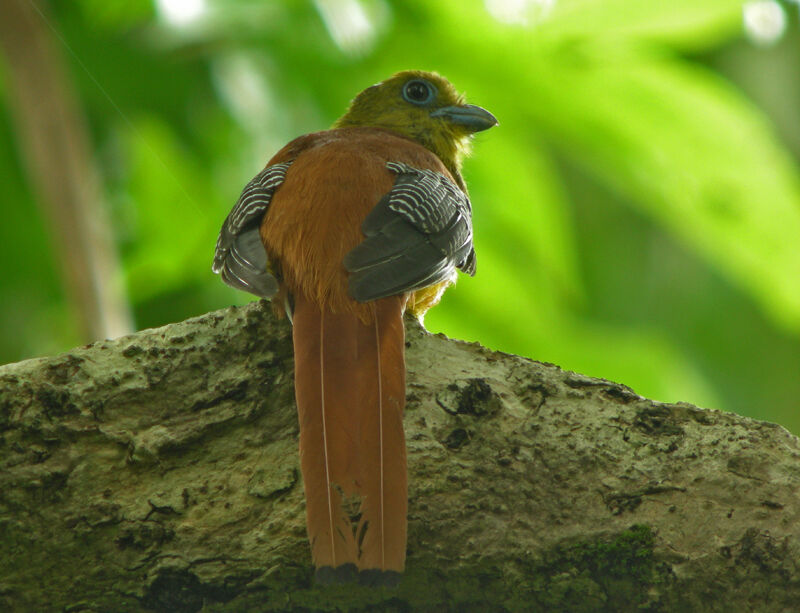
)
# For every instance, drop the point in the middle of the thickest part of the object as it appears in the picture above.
(159, 472)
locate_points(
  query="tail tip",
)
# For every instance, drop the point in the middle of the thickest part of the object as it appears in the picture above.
(349, 573)
(328, 575)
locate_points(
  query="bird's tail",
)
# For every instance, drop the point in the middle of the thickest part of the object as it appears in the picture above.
(350, 391)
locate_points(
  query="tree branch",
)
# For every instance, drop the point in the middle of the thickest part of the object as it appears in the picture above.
(160, 472)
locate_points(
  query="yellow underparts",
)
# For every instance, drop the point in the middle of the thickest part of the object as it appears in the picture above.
(423, 299)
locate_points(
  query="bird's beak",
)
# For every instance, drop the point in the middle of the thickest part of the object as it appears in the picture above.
(473, 118)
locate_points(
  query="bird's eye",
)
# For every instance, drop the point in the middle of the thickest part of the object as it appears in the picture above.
(418, 92)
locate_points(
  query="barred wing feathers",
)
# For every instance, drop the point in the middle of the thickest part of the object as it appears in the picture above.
(416, 236)
(239, 257)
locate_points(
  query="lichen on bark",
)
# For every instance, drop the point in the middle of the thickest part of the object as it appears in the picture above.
(159, 472)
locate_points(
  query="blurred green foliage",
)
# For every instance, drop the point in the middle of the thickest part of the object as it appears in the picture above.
(637, 212)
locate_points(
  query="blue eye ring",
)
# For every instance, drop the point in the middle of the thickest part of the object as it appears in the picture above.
(419, 92)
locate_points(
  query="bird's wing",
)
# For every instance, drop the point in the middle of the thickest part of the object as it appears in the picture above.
(417, 235)
(239, 257)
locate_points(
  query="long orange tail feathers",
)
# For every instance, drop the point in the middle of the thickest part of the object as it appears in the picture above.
(350, 391)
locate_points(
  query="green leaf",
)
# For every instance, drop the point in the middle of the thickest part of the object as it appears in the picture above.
(689, 24)
(526, 214)
(171, 219)
(691, 152)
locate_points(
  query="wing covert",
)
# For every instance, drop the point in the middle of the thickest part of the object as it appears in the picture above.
(239, 257)
(417, 235)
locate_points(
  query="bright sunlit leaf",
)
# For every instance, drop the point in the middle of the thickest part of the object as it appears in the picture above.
(764, 21)
(181, 12)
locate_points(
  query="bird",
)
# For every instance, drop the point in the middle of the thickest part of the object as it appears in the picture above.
(346, 230)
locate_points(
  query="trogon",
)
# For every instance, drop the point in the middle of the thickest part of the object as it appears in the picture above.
(345, 230)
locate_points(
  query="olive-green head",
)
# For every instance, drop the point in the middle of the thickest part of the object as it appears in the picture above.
(423, 106)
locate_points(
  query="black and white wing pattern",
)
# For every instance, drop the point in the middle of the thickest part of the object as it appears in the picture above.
(416, 236)
(240, 258)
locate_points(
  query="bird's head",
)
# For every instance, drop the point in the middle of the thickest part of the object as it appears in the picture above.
(422, 106)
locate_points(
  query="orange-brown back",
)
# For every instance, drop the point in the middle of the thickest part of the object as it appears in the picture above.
(315, 218)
